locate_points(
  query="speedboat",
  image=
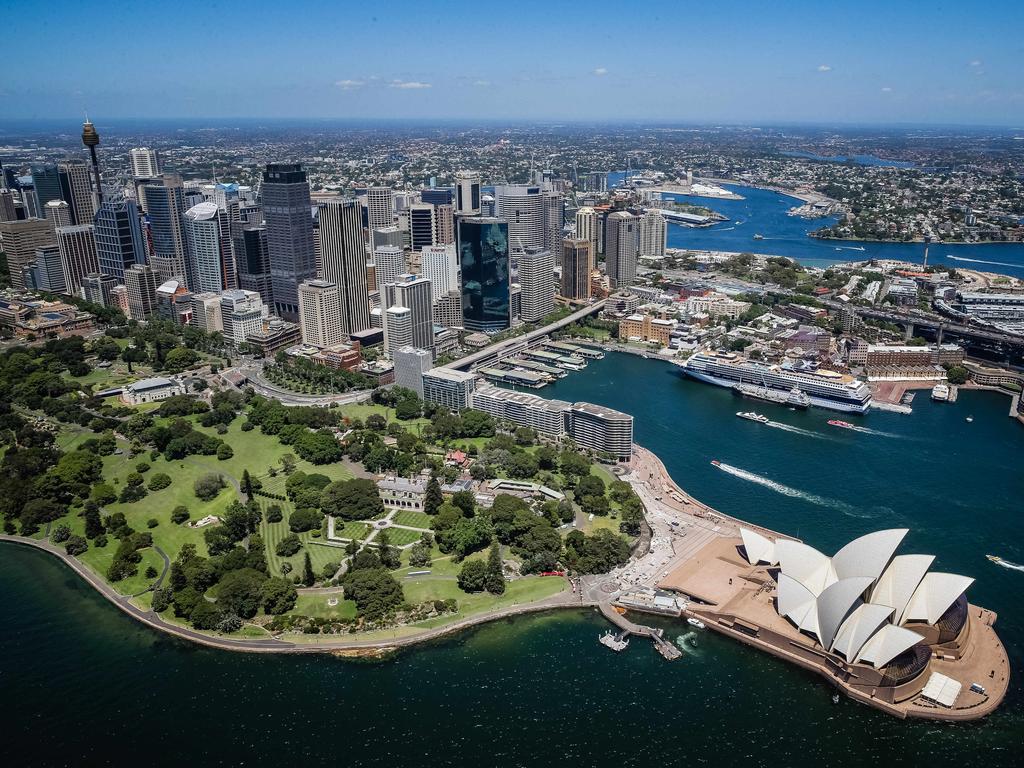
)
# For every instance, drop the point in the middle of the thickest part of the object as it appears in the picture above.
(695, 623)
(716, 463)
(838, 423)
(759, 237)
(751, 416)
(994, 558)
(969, 419)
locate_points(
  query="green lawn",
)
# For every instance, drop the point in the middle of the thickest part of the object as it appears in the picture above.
(320, 551)
(399, 537)
(316, 605)
(352, 530)
(412, 518)
(362, 410)
(525, 590)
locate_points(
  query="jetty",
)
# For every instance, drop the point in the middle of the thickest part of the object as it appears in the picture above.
(628, 628)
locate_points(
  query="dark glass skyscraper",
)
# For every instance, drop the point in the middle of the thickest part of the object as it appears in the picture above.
(484, 259)
(289, 221)
(119, 242)
(165, 210)
(47, 182)
(253, 262)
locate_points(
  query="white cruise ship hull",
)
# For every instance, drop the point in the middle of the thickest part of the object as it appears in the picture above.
(845, 406)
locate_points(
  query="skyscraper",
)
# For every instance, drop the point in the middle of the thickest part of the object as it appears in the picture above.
(253, 262)
(523, 208)
(77, 255)
(389, 261)
(439, 264)
(287, 213)
(76, 185)
(484, 263)
(141, 280)
(344, 261)
(653, 234)
(242, 314)
(49, 274)
(413, 293)
(391, 235)
(165, 211)
(206, 312)
(537, 278)
(587, 227)
(19, 240)
(119, 242)
(46, 179)
(320, 313)
(203, 240)
(380, 207)
(96, 288)
(422, 225)
(621, 245)
(577, 264)
(397, 329)
(58, 213)
(467, 193)
(554, 221)
(444, 224)
(145, 162)
(410, 365)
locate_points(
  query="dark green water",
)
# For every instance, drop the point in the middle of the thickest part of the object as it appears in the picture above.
(82, 684)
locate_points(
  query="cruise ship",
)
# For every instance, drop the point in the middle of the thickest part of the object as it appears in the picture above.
(825, 389)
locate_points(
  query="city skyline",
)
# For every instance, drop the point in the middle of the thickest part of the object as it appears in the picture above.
(799, 64)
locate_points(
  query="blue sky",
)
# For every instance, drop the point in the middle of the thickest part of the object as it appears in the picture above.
(894, 62)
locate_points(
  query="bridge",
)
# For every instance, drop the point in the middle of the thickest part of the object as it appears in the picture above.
(507, 347)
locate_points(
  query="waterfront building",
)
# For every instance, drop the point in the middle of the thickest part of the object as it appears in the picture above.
(537, 284)
(449, 388)
(522, 207)
(252, 261)
(145, 162)
(621, 247)
(410, 365)
(422, 225)
(206, 312)
(164, 201)
(467, 193)
(119, 241)
(380, 207)
(48, 272)
(203, 239)
(19, 240)
(577, 264)
(320, 315)
(653, 234)
(344, 261)
(77, 255)
(885, 355)
(413, 293)
(141, 280)
(241, 314)
(548, 417)
(645, 328)
(601, 429)
(287, 213)
(806, 339)
(96, 288)
(485, 267)
(389, 262)
(58, 213)
(76, 186)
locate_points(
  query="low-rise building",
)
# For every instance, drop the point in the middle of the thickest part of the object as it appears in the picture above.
(151, 390)
(276, 334)
(647, 328)
(402, 493)
(548, 417)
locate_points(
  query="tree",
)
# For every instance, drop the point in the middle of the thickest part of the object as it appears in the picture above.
(103, 494)
(132, 354)
(590, 485)
(93, 522)
(61, 533)
(374, 590)
(495, 579)
(355, 499)
(208, 486)
(304, 520)
(308, 577)
(288, 546)
(274, 513)
(205, 615)
(75, 545)
(246, 485)
(522, 465)
(241, 592)
(957, 374)
(278, 596)
(573, 464)
(159, 481)
(419, 555)
(288, 462)
(433, 498)
(389, 556)
(473, 576)
(180, 358)
(179, 514)
(225, 452)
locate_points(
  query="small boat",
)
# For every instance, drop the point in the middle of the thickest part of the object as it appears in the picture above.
(969, 419)
(994, 558)
(716, 463)
(838, 423)
(759, 237)
(835, 698)
(751, 416)
(695, 623)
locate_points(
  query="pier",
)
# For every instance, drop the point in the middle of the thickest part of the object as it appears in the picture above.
(628, 628)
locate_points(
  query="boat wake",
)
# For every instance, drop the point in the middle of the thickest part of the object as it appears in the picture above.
(981, 261)
(688, 643)
(725, 229)
(797, 430)
(794, 493)
(849, 248)
(1011, 566)
(869, 431)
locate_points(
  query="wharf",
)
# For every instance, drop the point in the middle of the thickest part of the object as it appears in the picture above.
(663, 646)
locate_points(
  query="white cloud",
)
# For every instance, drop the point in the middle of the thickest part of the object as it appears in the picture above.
(481, 83)
(975, 63)
(600, 71)
(348, 85)
(824, 68)
(409, 85)
(886, 89)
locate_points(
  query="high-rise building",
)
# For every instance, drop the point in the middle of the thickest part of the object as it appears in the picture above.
(203, 241)
(48, 272)
(397, 329)
(344, 261)
(46, 179)
(119, 299)
(145, 162)
(523, 208)
(8, 205)
(380, 207)
(320, 318)
(253, 261)
(96, 288)
(444, 224)
(119, 242)
(77, 255)
(537, 278)
(587, 227)
(206, 312)
(601, 429)
(448, 310)
(389, 263)
(414, 293)
(554, 222)
(621, 246)
(484, 264)
(76, 185)
(422, 225)
(242, 314)
(141, 280)
(58, 213)
(391, 235)
(467, 193)
(437, 195)
(165, 213)
(653, 234)
(410, 365)
(440, 265)
(174, 302)
(577, 264)
(449, 388)
(287, 213)
(19, 240)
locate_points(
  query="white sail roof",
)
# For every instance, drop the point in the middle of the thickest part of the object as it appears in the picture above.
(805, 564)
(935, 593)
(897, 584)
(886, 644)
(759, 549)
(836, 603)
(794, 599)
(858, 627)
(868, 555)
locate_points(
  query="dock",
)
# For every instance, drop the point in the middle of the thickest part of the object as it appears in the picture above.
(628, 628)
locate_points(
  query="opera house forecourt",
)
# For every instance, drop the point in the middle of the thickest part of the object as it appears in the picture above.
(883, 627)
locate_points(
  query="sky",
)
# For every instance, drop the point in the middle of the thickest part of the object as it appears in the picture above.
(901, 61)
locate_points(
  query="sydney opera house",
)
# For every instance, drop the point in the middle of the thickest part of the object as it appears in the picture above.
(884, 627)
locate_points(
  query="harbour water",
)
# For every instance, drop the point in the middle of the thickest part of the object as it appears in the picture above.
(82, 684)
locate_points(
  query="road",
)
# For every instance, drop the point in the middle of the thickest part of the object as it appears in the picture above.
(254, 379)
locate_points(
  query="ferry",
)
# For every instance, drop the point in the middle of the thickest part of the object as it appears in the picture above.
(940, 393)
(794, 399)
(838, 423)
(751, 416)
(695, 623)
(822, 388)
